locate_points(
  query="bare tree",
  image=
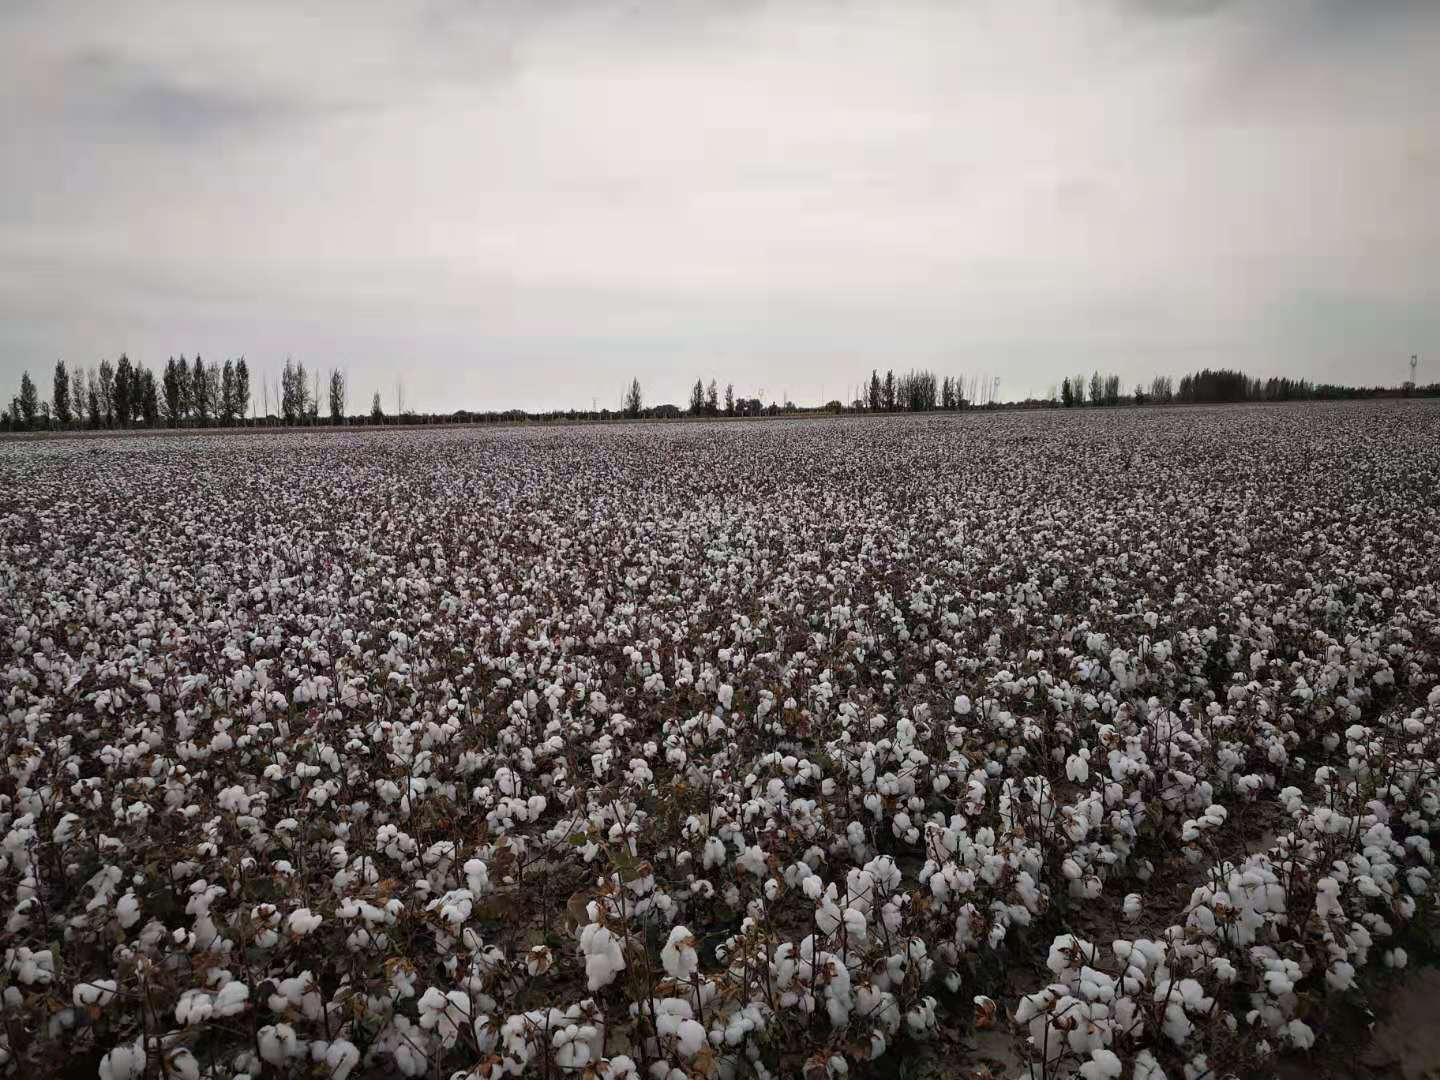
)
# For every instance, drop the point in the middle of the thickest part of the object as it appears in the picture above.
(634, 401)
(242, 388)
(107, 391)
(60, 395)
(337, 395)
(28, 403)
(77, 394)
(1112, 389)
(94, 409)
(227, 393)
(291, 403)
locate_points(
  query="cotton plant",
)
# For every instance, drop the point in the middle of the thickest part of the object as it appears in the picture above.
(522, 762)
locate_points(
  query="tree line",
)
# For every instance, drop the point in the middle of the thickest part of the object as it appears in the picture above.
(922, 390)
(1216, 386)
(1221, 385)
(197, 393)
(705, 401)
(912, 391)
(127, 394)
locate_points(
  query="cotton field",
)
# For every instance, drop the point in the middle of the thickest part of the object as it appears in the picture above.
(743, 749)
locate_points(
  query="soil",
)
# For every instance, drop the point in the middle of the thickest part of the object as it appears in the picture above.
(1402, 1042)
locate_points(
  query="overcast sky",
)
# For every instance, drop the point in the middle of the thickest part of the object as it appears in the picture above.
(525, 203)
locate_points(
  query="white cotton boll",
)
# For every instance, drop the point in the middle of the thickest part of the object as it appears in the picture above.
(1396, 958)
(1277, 983)
(194, 1007)
(604, 957)
(1077, 768)
(31, 967)
(690, 1037)
(1192, 994)
(302, 921)
(444, 1013)
(1340, 975)
(572, 1047)
(277, 1043)
(66, 828)
(1133, 906)
(1300, 1034)
(753, 860)
(921, 1018)
(477, 877)
(96, 993)
(725, 693)
(182, 1065)
(59, 1023)
(409, 1058)
(127, 910)
(123, 1062)
(1147, 1068)
(455, 906)
(678, 955)
(231, 999)
(1103, 1065)
(854, 921)
(962, 705)
(828, 916)
(341, 1058)
(539, 960)
(1177, 1025)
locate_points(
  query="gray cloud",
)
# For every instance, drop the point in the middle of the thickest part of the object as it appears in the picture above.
(106, 97)
(523, 204)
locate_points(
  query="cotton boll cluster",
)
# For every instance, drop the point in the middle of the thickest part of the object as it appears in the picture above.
(604, 955)
(302, 921)
(686, 748)
(678, 956)
(1239, 921)
(97, 994)
(198, 1006)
